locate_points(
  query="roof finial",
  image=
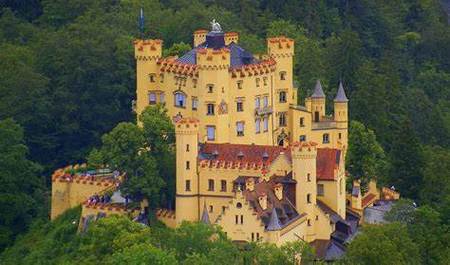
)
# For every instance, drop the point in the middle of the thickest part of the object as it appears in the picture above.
(340, 95)
(205, 215)
(318, 91)
(141, 23)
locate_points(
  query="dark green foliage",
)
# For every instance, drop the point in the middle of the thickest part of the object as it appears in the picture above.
(21, 188)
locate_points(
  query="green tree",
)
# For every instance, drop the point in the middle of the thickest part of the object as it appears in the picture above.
(365, 159)
(21, 188)
(177, 49)
(387, 244)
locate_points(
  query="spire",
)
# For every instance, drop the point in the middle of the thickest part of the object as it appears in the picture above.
(141, 22)
(205, 215)
(318, 91)
(340, 96)
(274, 223)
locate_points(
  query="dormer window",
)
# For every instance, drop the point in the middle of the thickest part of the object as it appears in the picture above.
(283, 75)
(240, 155)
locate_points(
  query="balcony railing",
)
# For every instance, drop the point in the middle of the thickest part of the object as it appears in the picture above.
(323, 125)
(263, 111)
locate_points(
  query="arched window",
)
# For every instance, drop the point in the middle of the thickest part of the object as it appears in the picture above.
(180, 99)
(283, 75)
(326, 138)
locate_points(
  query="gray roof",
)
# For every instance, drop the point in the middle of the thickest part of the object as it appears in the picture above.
(340, 96)
(274, 223)
(205, 216)
(318, 91)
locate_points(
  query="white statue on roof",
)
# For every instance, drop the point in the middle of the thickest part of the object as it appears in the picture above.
(215, 26)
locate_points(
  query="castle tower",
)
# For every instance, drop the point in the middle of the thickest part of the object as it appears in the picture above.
(146, 53)
(187, 200)
(281, 49)
(199, 36)
(316, 103)
(341, 115)
(231, 37)
(304, 172)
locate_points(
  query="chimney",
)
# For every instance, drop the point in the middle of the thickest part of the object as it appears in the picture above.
(279, 191)
(263, 201)
(250, 184)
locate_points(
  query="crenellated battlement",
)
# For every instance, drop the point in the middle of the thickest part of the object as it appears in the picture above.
(231, 37)
(145, 50)
(280, 46)
(170, 65)
(261, 68)
(212, 59)
(304, 150)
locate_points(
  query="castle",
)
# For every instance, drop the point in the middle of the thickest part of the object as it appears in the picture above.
(248, 157)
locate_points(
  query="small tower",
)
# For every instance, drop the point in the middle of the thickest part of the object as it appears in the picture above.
(146, 53)
(316, 103)
(187, 202)
(304, 156)
(199, 36)
(341, 115)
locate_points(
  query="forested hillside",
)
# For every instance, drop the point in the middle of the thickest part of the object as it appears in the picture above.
(67, 76)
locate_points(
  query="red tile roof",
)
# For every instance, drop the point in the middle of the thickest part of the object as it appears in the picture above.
(327, 161)
(368, 199)
(227, 154)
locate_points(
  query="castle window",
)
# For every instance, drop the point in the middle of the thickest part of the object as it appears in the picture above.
(257, 236)
(326, 138)
(151, 98)
(257, 126)
(180, 99)
(240, 128)
(282, 96)
(236, 219)
(266, 101)
(308, 198)
(194, 103)
(194, 82)
(302, 122)
(211, 132)
(161, 78)
(162, 98)
(239, 205)
(188, 165)
(317, 218)
(223, 209)
(239, 106)
(188, 185)
(253, 237)
(309, 222)
(340, 136)
(282, 119)
(283, 75)
(210, 109)
(257, 82)
(239, 84)
(210, 88)
(257, 102)
(187, 148)
(265, 81)
(151, 77)
(266, 124)
(242, 219)
(210, 184)
(302, 138)
(308, 177)
(316, 116)
(223, 185)
(211, 208)
(320, 190)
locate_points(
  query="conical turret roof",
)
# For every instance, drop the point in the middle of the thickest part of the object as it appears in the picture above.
(318, 91)
(340, 96)
(274, 223)
(205, 215)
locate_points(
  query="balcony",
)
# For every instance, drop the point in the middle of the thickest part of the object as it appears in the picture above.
(323, 125)
(263, 111)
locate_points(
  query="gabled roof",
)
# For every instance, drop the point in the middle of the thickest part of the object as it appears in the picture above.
(318, 91)
(340, 96)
